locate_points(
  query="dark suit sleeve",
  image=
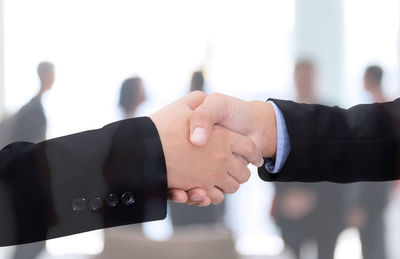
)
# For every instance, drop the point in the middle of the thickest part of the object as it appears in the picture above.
(96, 179)
(338, 145)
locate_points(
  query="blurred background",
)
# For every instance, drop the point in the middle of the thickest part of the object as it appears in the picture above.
(69, 66)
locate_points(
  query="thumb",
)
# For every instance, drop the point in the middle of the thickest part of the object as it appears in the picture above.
(212, 111)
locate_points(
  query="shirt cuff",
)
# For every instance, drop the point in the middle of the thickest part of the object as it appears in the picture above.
(282, 143)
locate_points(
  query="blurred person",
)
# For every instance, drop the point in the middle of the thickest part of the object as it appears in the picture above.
(183, 215)
(366, 202)
(305, 80)
(31, 120)
(116, 175)
(197, 81)
(373, 83)
(301, 210)
(132, 94)
(29, 124)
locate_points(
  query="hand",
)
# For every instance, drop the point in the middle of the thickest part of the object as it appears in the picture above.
(211, 167)
(255, 119)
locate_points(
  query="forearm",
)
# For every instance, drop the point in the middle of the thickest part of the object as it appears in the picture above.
(43, 182)
(333, 144)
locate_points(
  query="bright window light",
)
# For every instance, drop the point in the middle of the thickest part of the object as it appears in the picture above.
(372, 31)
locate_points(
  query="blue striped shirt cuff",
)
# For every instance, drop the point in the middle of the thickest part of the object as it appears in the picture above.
(282, 143)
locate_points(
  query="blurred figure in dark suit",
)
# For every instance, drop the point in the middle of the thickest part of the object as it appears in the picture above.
(366, 201)
(373, 83)
(308, 211)
(29, 124)
(131, 95)
(197, 81)
(183, 215)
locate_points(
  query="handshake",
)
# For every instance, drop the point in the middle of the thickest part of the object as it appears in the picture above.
(208, 141)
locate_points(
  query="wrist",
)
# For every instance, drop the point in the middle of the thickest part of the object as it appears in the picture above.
(265, 127)
(162, 132)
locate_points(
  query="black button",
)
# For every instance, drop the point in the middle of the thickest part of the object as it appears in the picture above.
(112, 200)
(127, 198)
(79, 204)
(96, 203)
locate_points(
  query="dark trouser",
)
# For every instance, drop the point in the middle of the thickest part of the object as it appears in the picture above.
(325, 240)
(372, 239)
(29, 251)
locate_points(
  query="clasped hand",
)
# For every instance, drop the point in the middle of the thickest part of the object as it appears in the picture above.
(208, 142)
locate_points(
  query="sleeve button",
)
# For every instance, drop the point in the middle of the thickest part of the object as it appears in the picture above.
(128, 198)
(79, 204)
(112, 200)
(96, 204)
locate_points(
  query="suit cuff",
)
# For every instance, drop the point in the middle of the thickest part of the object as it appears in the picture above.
(282, 143)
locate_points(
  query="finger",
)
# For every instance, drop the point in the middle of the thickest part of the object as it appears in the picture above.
(205, 203)
(228, 184)
(241, 159)
(239, 171)
(213, 110)
(216, 195)
(246, 148)
(194, 99)
(196, 196)
(177, 195)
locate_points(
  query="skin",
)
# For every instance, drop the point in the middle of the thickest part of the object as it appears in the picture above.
(304, 79)
(254, 119)
(212, 166)
(374, 88)
(46, 81)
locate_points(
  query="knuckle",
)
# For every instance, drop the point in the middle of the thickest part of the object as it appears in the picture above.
(235, 188)
(251, 150)
(232, 188)
(223, 157)
(215, 95)
(218, 200)
(247, 175)
(216, 196)
(252, 147)
(244, 176)
(198, 93)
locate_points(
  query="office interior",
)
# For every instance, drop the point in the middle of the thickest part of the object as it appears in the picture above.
(246, 49)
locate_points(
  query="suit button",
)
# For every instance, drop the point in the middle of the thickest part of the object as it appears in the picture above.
(112, 200)
(127, 198)
(79, 204)
(96, 204)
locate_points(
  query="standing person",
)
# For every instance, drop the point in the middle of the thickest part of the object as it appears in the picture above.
(373, 83)
(301, 210)
(131, 95)
(29, 124)
(366, 201)
(197, 81)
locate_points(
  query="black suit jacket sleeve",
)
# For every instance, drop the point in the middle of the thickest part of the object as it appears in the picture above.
(96, 179)
(338, 145)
